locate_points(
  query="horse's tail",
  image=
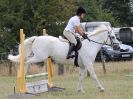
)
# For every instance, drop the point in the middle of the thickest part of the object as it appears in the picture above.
(27, 46)
(15, 59)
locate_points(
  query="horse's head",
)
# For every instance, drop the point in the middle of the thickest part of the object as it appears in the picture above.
(112, 39)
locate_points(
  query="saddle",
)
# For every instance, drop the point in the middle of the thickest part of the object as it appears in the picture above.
(77, 47)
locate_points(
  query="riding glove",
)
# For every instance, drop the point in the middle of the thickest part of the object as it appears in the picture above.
(85, 36)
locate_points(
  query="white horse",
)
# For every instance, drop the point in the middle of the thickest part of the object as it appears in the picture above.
(39, 48)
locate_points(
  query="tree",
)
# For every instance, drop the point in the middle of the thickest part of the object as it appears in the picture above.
(97, 13)
(121, 9)
(48, 14)
(32, 16)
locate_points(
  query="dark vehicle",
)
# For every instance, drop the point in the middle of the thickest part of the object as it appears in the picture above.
(116, 31)
(91, 26)
(125, 53)
(126, 35)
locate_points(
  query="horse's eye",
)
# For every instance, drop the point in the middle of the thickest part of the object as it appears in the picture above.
(112, 37)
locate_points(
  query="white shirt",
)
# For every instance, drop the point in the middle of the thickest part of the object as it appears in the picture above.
(72, 23)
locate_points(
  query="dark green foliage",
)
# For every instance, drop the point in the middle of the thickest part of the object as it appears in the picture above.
(32, 16)
(35, 15)
(121, 9)
(97, 13)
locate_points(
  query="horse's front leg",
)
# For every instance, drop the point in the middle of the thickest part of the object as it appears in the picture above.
(81, 76)
(94, 76)
(88, 64)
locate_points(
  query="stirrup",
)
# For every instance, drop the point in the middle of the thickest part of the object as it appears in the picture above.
(71, 56)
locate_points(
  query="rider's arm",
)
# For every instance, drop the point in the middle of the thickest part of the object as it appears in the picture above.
(79, 30)
(76, 22)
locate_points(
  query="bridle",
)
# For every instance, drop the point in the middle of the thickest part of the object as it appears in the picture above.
(105, 43)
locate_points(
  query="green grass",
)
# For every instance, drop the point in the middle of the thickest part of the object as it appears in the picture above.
(117, 85)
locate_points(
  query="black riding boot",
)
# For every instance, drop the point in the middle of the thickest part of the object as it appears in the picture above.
(71, 48)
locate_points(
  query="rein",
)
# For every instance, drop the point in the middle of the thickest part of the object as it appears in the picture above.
(105, 43)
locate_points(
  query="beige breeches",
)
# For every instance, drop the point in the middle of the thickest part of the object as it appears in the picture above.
(70, 36)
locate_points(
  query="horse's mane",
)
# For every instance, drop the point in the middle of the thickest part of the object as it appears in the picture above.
(100, 29)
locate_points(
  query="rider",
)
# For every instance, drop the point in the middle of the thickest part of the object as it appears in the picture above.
(74, 27)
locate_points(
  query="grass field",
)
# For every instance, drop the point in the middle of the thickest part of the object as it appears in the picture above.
(117, 85)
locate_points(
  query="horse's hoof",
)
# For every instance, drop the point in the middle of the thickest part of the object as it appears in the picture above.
(81, 91)
(102, 90)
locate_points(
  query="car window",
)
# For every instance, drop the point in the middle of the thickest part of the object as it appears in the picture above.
(91, 28)
(109, 48)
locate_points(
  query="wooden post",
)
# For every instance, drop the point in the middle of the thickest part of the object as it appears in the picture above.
(88, 74)
(49, 69)
(10, 65)
(49, 66)
(60, 69)
(10, 68)
(21, 87)
(44, 32)
(103, 61)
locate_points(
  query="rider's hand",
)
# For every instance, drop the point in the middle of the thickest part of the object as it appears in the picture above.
(85, 36)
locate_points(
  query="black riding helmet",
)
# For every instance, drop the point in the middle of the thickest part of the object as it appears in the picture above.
(80, 11)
